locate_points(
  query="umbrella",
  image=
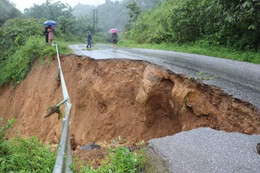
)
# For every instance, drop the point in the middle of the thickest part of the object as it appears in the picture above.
(49, 22)
(113, 30)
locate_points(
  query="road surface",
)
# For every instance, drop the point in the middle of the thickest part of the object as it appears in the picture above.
(240, 79)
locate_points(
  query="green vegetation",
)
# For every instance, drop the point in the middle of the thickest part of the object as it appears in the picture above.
(202, 48)
(119, 160)
(77, 21)
(24, 155)
(7, 11)
(112, 14)
(5, 127)
(21, 45)
(205, 25)
(15, 32)
(228, 23)
(63, 46)
(18, 65)
(62, 14)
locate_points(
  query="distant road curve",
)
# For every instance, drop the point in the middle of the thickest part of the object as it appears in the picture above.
(240, 79)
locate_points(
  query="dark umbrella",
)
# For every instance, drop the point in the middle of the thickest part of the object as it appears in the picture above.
(49, 22)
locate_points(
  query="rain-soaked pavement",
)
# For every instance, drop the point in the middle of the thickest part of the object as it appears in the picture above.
(240, 79)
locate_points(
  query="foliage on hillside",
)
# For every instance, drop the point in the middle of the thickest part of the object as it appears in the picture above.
(15, 33)
(118, 160)
(230, 23)
(83, 10)
(113, 14)
(69, 25)
(19, 64)
(22, 42)
(49, 10)
(23, 155)
(7, 11)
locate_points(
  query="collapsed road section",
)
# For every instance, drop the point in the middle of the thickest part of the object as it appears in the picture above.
(130, 98)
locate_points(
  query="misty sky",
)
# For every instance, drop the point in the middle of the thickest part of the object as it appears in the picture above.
(22, 4)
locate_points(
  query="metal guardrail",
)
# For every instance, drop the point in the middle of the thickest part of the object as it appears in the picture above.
(64, 158)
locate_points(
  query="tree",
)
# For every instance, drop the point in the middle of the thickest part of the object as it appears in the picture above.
(15, 32)
(7, 11)
(134, 11)
(230, 23)
(57, 11)
(50, 10)
(113, 13)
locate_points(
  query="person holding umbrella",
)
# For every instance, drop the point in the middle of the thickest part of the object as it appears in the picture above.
(114, 40)
(114, 32)
(50, 33)
(51, 25)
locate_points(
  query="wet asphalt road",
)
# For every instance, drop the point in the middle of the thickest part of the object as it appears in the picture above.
(240, 79)
(204, 150)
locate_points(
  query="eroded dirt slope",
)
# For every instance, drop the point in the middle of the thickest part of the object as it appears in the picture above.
(134, 99)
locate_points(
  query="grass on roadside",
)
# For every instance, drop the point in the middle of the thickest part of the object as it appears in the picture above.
(119, 158)
(23, 155)
(17, 66)
(63, 46)
(201, 48)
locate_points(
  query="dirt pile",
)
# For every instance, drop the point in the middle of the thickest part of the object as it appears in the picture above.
(110, 98)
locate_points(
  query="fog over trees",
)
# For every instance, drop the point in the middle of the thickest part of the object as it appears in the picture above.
(113, 14)
(7, 11)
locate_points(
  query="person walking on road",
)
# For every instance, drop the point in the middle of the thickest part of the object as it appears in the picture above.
(114, 40)
(114, 32)
(89, 40)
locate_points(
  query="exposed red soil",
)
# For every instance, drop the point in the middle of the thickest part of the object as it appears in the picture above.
(110, 98)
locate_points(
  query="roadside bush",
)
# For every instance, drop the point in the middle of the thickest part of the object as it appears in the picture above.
(119, 160)
(201, 47)
(19, 64)
(227, 23)
(24, 155)
(15, 32)
(102, 37)
(4, 128)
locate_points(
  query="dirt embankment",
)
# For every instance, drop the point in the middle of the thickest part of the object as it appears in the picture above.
(110, 98)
